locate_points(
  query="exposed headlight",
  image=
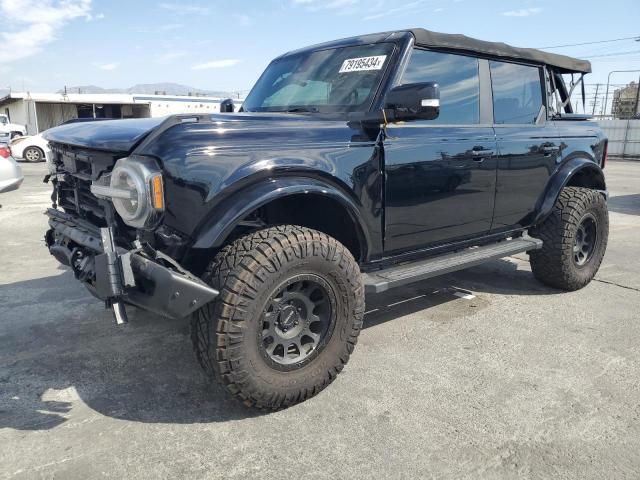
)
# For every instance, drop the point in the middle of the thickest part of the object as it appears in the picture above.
(136, 191)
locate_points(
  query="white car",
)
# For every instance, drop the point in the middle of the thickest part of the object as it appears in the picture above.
(12, 129)
(10, 172)
(31, 149)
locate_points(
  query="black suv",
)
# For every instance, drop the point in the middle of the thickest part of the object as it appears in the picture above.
(352, 166)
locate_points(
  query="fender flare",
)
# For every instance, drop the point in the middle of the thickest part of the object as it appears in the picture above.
(226, 215)
(561, 178)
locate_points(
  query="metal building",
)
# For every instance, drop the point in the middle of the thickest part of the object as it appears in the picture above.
(40, 111)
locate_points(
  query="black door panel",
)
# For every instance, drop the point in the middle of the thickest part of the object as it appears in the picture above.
(440, 184)
(528, 145)
(527, 157)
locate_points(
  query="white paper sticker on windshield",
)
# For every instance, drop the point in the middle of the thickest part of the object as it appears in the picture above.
(363, 63)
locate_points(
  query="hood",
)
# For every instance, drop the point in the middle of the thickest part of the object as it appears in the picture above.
(110, 135)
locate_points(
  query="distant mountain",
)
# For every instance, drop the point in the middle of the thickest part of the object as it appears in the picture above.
(164, 88)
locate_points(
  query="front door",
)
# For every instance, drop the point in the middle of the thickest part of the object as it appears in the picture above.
(440, 174)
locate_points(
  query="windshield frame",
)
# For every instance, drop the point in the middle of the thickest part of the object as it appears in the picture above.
(398, 46)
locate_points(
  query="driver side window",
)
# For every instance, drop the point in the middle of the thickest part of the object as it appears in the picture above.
(459, 81)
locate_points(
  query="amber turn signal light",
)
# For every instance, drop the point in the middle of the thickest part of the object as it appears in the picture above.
(157, 192)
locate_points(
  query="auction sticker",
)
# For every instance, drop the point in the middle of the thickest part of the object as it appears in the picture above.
(363, 63)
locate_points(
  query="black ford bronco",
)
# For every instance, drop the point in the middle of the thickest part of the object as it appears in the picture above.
(352, 166)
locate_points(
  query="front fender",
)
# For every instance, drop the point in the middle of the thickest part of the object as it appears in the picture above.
(232, 210)
(562, 177)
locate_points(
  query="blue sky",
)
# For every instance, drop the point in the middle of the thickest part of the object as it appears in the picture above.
(219, 45)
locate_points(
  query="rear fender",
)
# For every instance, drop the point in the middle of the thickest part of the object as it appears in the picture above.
(589, 173)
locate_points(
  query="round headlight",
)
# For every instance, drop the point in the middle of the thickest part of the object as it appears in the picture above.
(126, 180)
(136, 190)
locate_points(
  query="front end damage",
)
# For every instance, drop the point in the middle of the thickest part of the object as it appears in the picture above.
(103, 225)
(142, 276)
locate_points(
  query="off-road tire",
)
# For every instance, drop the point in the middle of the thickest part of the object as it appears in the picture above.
(225, 332)
(554, 263)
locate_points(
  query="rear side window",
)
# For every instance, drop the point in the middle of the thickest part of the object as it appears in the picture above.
(459, 83)
(517, 92)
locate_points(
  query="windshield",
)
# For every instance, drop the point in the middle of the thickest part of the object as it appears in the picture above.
(334, 80)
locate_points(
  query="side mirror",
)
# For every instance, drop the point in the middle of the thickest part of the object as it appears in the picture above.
(227, 106)
(413, 101)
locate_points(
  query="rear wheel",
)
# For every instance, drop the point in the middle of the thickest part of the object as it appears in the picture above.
(287, 318)
(575, 239)
(33, 154)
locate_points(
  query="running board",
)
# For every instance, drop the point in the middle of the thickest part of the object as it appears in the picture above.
(381, 280)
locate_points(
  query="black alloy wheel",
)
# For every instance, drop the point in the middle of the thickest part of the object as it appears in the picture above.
(585, 240)
(297, 321)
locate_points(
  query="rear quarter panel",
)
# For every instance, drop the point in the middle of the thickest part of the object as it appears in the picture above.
(581, 139)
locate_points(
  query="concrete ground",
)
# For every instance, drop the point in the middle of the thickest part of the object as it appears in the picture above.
(484, 373)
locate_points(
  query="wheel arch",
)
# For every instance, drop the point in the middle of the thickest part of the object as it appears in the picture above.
(309, 195)
(577, 172)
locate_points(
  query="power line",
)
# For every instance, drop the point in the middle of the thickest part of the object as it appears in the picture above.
(616, 54)
(592, 43)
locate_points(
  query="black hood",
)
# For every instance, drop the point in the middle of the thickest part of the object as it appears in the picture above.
(111, 135)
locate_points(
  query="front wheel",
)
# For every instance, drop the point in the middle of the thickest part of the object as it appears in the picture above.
(287, 318)
(574, 240)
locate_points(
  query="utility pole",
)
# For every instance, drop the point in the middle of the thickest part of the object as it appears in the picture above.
(635, 106)
(595, 100)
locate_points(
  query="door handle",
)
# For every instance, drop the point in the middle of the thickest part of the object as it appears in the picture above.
(548, 150)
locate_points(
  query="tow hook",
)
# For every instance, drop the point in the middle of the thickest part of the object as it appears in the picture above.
(118, 274)
(119, 311)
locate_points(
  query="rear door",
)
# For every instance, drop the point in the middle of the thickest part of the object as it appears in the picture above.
(440, 174)
(528, 144)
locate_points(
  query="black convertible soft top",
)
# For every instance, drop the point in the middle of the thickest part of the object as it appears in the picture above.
(452, 41)
(462, 43)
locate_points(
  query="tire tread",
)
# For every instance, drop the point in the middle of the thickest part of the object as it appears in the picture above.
(217, 328)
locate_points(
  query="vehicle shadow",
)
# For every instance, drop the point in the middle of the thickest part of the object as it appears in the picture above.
(500, 277)
(59, 345)
(629, 204)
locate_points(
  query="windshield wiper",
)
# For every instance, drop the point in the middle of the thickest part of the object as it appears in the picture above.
(301, 110)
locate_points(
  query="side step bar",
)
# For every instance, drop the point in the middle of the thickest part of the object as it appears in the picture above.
(381, 280)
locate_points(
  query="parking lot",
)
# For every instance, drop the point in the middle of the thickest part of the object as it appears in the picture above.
(482, 373)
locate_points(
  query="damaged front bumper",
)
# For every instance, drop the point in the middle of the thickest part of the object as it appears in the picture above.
(149, 280)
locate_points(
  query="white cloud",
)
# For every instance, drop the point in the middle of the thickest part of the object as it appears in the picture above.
(242, 20)
(186, 9)
(383, 11)
(168, 27)
(230, 62)
(341, 6)
(522, 12)
(107, 66)
(28, 25)
(439, 10)
(169, 57)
